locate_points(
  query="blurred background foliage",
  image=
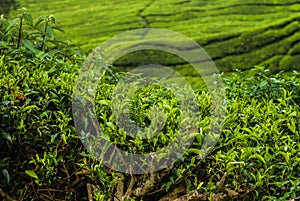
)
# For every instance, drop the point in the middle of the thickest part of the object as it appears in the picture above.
(236, 34)
(7, 5)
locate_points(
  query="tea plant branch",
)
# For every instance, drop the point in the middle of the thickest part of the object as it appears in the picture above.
(5, 196)
(44, 35)
(68, 177)
(90, 192)
(223, 193)
(20, 32)
(77, 180)
(173, 194)
(297, 198)
(48, 197)
(221, 184)
(32, 184)
(157, 180)
(151, 183)
(129, 191)
(65, 170)
(51, 190)
(191, 196)
(119, 191)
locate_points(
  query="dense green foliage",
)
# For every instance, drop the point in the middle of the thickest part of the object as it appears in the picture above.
(236, 34)
(42, 158)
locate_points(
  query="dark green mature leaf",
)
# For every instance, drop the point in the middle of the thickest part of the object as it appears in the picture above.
(57, 28)
(50, 32)
(6, 175)
(12, 24)
(39, 20)
(27, 16)
(28, 44)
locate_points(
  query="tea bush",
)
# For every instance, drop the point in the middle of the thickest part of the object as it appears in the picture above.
(256, 157)
(42, 157)
(38, 140)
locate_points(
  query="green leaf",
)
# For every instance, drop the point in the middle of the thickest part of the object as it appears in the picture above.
(111, 125)
(3, 20)
(6, 175)
(50, 32)
(51, 70)
(292, 126)
(28, 18)
(31, 173)
(53, 137)
(28, 44)
(7, 136)
(104, 102)
(160, 156)
(39, 20)
(247, 130)
(194, 150)
(30, 107)
(293, 114)
(52, 18)
(12, 23)
(263, 83)
(57, 28)
(257, 156)
(168, 185)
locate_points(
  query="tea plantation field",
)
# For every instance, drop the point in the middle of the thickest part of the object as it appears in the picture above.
(236, 34)
(247, 127)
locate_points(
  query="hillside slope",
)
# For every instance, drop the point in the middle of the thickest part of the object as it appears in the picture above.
(235, 34)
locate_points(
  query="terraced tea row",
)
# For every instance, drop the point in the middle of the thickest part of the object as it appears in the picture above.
(235, 34)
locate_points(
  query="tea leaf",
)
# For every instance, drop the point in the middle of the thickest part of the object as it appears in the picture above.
(50, 32)
(28, 18)
(29, 45)
(39, 20)
(12, 23)
(31, 174)
(6, 175)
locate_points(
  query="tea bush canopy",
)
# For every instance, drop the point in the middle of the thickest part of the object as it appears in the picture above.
(43, 157)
